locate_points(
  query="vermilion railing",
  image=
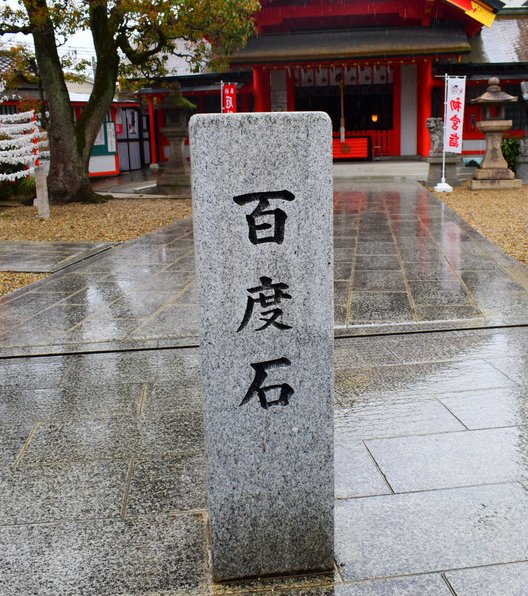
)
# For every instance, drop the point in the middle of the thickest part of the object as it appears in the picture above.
(381, 144)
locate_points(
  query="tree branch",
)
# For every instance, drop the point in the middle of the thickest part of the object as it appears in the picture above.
(135, 57)
(8, 29)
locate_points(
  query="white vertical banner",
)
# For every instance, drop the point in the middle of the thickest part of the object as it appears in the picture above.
(454, 116)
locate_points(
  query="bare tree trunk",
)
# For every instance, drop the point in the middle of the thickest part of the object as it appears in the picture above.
(71, 142)
(68, 176)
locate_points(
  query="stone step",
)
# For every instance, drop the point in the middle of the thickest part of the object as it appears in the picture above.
(465, 173)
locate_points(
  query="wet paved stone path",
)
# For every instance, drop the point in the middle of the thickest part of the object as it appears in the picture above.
(46, 257)
(403, 262)
(101, 447)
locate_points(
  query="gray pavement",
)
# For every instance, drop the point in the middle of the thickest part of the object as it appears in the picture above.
(45, 256)
(403, 262)
(102, 486)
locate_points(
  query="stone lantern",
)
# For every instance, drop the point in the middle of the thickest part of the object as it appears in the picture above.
(175, 175)
(494, 171)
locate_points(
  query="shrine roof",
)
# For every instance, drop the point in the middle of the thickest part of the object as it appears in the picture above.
(496, 4)
(351, 44)
(505, 42)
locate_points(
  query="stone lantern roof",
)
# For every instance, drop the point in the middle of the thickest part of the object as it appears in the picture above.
(494, 94)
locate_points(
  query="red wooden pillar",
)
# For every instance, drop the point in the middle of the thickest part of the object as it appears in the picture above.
(113, 113)
(261, 90)
(291, 90)
(244, 102)
(425, 106)
(152, 133)
(396, 110)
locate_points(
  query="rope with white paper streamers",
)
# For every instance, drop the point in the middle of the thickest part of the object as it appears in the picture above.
(21, 143)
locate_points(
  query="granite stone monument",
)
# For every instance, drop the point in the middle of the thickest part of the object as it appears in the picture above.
(262, 206)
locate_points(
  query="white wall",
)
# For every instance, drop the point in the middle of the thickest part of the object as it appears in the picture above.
(408, 109)
(102, 163)
(279, 91)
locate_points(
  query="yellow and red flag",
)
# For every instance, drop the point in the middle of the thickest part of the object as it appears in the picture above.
(480, 11)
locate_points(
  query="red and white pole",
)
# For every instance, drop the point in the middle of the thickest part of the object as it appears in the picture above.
(35, 140)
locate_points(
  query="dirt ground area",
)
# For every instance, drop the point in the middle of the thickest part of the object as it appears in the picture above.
(500, 215)
(115, 221)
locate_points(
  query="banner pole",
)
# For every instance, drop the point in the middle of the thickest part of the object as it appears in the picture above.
(445, 129)
(442, 186)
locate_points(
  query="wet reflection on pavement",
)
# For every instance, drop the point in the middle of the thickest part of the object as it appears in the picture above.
(403, 261)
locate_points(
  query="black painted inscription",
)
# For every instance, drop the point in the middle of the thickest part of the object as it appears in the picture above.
(282, 392)
(268, 295)
(265, 225)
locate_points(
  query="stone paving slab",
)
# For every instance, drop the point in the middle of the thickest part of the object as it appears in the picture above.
(356, 472)
(493, 408)
(431, 531)
(102, 463)
(46, 257)
(433, 585)
(496, 579)
(105, 557)
(437, 461)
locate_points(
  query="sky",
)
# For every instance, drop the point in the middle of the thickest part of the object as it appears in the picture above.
(81, 42)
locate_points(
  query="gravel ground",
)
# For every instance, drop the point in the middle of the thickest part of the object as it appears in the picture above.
(500, 215)
(115, 221)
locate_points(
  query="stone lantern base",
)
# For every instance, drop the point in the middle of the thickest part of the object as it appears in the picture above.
(522, 169)
(495, 184)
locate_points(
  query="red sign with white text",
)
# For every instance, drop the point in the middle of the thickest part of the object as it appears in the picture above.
(229, 98)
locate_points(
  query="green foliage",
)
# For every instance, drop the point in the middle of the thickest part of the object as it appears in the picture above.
(22, 187)
(7, 188)
(131, 38)
(510, 149)
(26, 187)
(143, 32)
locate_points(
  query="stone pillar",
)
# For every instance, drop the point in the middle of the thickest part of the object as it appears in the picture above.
(41, 187)
(262, 206)
(175, 172)
(291, 91)
(175, 175)
(434, 175)
(522, 169)
(435, 128)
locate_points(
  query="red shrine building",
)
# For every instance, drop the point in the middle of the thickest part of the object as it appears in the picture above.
(375, 66)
